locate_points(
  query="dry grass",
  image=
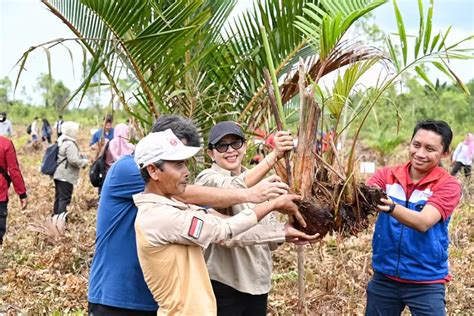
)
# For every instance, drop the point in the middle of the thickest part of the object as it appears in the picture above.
(47, 273)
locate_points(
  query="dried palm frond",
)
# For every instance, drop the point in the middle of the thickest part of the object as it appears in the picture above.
(52, 227)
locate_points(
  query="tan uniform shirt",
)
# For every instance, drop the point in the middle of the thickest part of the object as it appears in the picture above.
(170, 237)
(247, 269)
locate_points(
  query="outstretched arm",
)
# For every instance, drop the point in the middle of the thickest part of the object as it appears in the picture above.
(420, 221)
(266, 189)
(283, 143)
(438, 207)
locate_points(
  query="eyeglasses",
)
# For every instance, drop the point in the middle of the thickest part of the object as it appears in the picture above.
(223, 147)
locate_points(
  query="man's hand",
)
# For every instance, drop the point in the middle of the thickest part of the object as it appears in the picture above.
(387, 206)
(24, 203)
(283, 142)
(285, 205)
(268, 188)
(298, 237)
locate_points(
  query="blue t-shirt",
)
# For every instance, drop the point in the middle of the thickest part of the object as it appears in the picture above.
(116, 278)
(98, 134)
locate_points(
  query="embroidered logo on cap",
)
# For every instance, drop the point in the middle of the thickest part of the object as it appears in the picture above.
(195, 227)
(173, 142)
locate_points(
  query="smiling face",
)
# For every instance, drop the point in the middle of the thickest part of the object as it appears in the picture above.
(426, 152)
(171, 179)
(232, 158)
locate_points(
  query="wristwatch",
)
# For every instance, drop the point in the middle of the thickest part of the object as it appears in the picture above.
(391, 207)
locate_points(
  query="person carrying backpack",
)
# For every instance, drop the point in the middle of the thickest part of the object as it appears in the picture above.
(70, 161)
(9, 173)
(46, 131)
(112, 151)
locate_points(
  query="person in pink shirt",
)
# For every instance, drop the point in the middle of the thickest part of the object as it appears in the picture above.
(119, 146)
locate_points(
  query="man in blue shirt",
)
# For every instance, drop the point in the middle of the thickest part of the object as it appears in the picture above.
(116, 282)
(107, 132)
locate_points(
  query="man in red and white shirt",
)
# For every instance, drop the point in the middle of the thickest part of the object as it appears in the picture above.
(410, 243)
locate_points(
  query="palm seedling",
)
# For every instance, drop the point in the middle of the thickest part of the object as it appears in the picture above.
(333, 199)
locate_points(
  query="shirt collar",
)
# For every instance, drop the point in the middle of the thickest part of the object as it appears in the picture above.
(158, 199)
(226, 172)
(402, 173)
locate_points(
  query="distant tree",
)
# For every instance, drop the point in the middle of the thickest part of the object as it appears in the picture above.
(5, 90)
(54, 93)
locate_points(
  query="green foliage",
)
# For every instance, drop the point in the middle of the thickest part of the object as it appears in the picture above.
(54, 93)
(392, 121)
(5, 90)
(20, 113)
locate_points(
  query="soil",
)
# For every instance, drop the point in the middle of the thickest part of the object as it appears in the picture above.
(350, 218)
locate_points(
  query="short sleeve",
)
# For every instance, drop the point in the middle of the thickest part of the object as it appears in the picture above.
(446, 198)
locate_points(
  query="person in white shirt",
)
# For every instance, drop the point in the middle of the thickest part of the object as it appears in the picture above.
(6, 128)
(35, 129)
(57, 125)
(462, 156)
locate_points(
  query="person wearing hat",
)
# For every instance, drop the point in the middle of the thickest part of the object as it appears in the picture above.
(241, 276)
(6, 128)
(171, 235)
(70, 162)
(115, 254)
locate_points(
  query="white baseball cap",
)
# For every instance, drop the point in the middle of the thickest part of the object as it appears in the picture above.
(162, 146)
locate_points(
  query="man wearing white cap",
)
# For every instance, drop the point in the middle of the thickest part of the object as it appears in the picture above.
(115, 256)
(171, 235)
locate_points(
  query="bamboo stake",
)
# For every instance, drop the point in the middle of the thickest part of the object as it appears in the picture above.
(300, 248)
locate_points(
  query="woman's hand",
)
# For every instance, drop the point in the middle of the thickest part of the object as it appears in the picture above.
(283, 143)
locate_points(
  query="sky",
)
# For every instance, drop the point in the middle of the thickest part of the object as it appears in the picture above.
(26, 23)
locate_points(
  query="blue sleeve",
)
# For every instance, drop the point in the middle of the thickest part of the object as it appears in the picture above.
(123, 179)
(96, 137)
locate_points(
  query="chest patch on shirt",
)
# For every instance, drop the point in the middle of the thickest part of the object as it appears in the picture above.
(195, 228)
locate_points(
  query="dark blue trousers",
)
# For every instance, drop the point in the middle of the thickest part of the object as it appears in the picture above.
(388, 297)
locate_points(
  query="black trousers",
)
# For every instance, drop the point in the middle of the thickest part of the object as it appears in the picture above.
(62, 197)
(465, 168)
(231, 302)
(105, 310)
(3, 219)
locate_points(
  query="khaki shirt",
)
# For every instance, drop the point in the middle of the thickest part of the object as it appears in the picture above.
(170, 237)
(246, 269)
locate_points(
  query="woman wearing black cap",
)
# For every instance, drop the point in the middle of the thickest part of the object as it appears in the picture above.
(241, 276)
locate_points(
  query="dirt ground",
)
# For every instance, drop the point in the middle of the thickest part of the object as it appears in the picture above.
(41, 274)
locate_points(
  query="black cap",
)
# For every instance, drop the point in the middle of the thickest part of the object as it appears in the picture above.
(222, 129)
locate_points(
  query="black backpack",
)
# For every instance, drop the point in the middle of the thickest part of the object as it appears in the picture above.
(97, 172)
(50, 163)
(28, 129)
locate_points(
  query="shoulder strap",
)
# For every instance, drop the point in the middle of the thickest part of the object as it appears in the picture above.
(65, 158)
